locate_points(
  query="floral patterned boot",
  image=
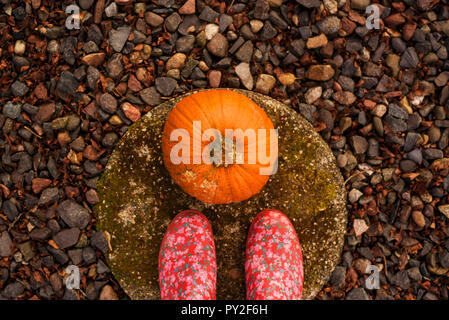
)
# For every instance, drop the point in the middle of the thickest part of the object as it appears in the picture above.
(187, 264)
(273, 266)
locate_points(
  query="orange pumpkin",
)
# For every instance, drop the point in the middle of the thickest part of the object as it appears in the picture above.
(207, 161)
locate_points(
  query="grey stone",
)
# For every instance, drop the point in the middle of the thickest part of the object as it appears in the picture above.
(338, 277)
(12, 110)
(359, 144)
(245, 52)
(415, 155)
(208, 14)
(244, 73)
(150, 96)
(410, 141)
(224, 22)
(261, 10)
(190, 24)
(89, 255)
(49, 196)
(432, 154)
(19, 89)
(165, 85)
(309, 3)
(329, 25)
(172, 22)
(218, 46)
(268, 31)
(357, 294)
(401, 280)
(73, 214)
(67, 237)
(118, 37)
(67, 83)
(407, 165)
(13, 290)
(409, 58)
(5, 244)
(10, 210)
(185, 44)
(114, 66)
(100, 242)
(108, 103)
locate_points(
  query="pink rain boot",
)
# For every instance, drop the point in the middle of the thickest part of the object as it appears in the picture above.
(273, 266)
(187, 264)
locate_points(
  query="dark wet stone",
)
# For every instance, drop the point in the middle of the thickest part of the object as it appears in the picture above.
(268, 31)
(40, 234)
(397, 112)
(10, 210)
(309, 3)
(150, 96)
(218, 45)
(329, 25)
(118, 37)
(410, 141)
(12, 110)
(5, 244)
(261, 10)
(357, 294)
(338, 277)
(401, 280)
(395, 124)
(89, 255)
(73, 214)
(185, 44)
(69, 294)
(49, 196)
(108, 103)
(67, 83)
(307, 111)
(409, 58)
(407, 165)
(67, 238)
(19, 89)
(13, 290)
(102, 267)
(68, 46)
(359, 144)
(114, 66)
(245, 52)
(208, 14)
(190, 24)
(224, 22)
(100, 242)
(172, 22)
(165, 85)
(276, 19)
(76, 255)
(432, 154)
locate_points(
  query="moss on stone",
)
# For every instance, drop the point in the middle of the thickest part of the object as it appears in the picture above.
(138, 199)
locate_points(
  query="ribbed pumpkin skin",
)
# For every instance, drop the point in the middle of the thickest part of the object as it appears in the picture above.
(216, 109)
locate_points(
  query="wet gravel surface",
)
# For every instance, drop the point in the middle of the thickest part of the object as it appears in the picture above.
(379, 97)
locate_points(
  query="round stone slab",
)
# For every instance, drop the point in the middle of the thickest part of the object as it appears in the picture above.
(138, 199)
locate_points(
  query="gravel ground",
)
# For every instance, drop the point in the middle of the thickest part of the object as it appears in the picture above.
(378, 97)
